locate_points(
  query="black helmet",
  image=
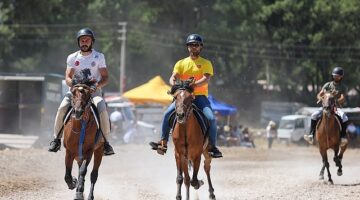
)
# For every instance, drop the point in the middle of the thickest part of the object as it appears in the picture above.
(338, 71)
(194, 38)
(85, 32)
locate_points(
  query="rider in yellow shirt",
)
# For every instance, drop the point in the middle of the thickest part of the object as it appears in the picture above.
(201, 69)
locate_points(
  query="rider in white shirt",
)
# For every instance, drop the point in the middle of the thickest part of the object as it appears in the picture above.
(85, 58)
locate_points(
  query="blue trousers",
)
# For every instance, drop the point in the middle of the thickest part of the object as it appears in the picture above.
(202, 102)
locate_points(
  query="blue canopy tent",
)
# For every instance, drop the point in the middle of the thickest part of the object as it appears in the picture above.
(223, 108)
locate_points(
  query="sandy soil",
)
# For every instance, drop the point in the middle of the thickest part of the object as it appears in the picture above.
(137, 173)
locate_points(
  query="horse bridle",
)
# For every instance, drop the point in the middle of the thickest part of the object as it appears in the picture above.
(187, 108)
(87, 106)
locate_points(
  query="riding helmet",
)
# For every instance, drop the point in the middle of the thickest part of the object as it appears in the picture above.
(338, 71)
(85, 32)
(194, 38)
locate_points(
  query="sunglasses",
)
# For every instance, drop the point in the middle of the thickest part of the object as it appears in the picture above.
(193, 45)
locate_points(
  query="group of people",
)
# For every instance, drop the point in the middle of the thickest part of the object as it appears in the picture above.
(88, 58)
(235, 136)
(192, 66)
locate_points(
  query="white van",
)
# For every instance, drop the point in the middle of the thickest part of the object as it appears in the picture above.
(128, 128)
(293, 127)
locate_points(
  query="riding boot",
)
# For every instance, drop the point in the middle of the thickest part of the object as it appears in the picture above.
(343, 139)
(160, 147)
(310, 137)
(215, 152)
(108, 150)
(55, 145)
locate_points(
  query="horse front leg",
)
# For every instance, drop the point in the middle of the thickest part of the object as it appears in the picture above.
(194, 181)
(323, 155)
(179, 178)
(98, 154)
(327, 165)
(82, 172)
(185, 168)
(207, 166)
(70, 180)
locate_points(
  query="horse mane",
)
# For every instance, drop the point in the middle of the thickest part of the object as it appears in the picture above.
(83, 77)
(183, 85)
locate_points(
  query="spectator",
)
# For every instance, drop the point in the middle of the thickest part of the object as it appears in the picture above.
(116, 119)
(271, 133)
(247, 137)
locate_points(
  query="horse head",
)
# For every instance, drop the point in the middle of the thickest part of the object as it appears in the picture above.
(328, 103)
(81, 94)
(183, 94)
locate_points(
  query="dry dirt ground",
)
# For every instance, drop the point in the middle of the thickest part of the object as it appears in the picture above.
(137, 173)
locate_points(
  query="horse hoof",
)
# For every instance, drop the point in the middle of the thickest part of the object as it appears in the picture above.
(321, 177)
(212, 197)
(331, 182)
(79, 196)
(72, 183)
(339, 173)
(91, 197)
(178, 197)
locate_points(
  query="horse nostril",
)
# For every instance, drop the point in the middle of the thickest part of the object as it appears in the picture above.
(181, 115)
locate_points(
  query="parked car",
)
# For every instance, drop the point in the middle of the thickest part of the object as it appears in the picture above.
(293, 127)
(127, 128)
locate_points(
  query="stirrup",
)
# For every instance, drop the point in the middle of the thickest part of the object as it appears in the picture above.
(343, 142)
(161, 150)
(55, 145)
(108, 150)
(309, 139)
(215, 153)
(160, 147)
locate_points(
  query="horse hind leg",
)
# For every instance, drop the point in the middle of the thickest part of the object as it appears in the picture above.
(94, 174)
(207, 168)
(321, 175)
(338, 159)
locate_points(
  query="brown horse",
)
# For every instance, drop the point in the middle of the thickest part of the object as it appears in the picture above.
(81, 140)
(190, 143)
(328, 135)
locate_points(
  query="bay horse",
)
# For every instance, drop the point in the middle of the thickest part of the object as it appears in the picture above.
(82, 140)
(328, 135)
(189, 141)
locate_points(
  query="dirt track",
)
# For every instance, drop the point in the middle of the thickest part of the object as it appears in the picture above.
(137, 173)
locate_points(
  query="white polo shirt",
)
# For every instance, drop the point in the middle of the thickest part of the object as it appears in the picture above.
(93, 61)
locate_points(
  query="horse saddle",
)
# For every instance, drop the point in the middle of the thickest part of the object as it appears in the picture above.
(93, 110)
(200, 116)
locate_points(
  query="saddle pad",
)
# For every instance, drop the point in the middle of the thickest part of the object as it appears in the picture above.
(93, 110)
(200, 116)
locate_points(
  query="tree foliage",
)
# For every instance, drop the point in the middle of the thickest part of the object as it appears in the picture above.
(292, 45)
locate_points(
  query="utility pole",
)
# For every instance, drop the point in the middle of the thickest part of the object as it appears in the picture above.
(122, 39)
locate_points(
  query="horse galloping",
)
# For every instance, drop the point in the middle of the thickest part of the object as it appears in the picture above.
(82, 140)
(189, 141)
(328, 135)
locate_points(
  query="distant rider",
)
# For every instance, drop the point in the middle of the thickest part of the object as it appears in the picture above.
(335, 86)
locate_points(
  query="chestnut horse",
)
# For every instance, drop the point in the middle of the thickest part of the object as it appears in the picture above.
(82, 140)
(189, 141)
(328, 135)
